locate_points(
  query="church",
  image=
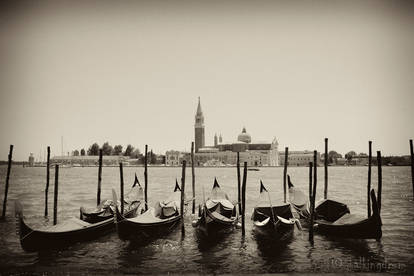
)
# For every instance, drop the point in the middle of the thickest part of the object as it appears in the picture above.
(222, 154)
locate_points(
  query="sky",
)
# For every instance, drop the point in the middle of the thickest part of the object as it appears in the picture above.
(131, 73)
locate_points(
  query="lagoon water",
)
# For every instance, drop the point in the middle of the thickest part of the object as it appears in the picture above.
(233, 253)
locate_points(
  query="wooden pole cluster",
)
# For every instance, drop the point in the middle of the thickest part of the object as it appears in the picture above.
(325, 190)
(193, 176)
(238, 183)
(182, 195)
(7, 181)
(98, 197)
(47, 180)
(146, 177)
(244, 198)
(56, 191)
(121, 175)
(412, 163)
(379, 180)
(369, 177)
(285, 173)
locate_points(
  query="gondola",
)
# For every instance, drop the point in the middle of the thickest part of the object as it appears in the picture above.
(334, 219)
(217, 214)
(326, 209)
(104, 210)
(154, 222)
(67, 232)
(353, 226)
(272, 221)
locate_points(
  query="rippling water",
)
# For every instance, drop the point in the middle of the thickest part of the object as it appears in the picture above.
(232, 253)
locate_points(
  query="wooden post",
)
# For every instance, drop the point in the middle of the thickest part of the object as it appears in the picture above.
(98, 197)
(310, 183)
(7, 181)
(244, 198)
(369, 177)
(310, 202)
(379, 161)
(121, 175)
(285, 173)
(47, 180)
(412, 163)
(315, 162)
(325, 191)
(239, 183)
(182, 195)
(193, 176)
(146, 177)
(56, 191)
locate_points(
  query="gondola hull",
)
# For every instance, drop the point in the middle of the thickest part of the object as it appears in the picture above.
(38, 240)
(266, 226)
(141, 232)
(210, 225)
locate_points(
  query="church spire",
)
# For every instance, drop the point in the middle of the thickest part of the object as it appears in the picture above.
(199, 111)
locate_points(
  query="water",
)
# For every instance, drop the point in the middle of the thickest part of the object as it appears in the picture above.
(233, 253)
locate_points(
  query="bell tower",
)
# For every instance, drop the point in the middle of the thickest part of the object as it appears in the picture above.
(199, 128)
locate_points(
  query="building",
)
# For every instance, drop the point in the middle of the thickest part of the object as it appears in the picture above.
(107, 160)
(31, 160)
(298, 158)
(223, 154)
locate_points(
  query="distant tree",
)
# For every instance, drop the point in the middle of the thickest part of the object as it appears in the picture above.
(362, 154)
(128, 151)
(135, 154)
(152, 158)
(107, 149)
(117, 150)
(82, 152)
(75, 153)
(333, 156)
(94, 149)
(350, 155)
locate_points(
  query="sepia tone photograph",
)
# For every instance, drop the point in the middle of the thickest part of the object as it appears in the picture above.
(206, 137)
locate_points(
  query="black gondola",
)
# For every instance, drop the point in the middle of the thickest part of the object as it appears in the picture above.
(353, 226)
(153, 223)
(104, 210)
(326, 209)
(217, 214)
(65, 233)
(334, 219)
(274, 222)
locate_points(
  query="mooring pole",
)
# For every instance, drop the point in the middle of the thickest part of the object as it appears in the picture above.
(310, 183)
(47, 180)
(412, 163)
(193, 176)
(239, 183)
(98, 197)
(146, 177)
(310, 201)
(379, 161)
(315, 162)
(9, 164)
(244, 198)
(369, 177)
(182, 196)
(121, 175)
(285, 173)
(55, 192)
(325, 191)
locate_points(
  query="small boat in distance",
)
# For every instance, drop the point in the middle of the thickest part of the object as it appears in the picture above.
(272, 221)
(217, 214)
(154, 222)
(253, 169)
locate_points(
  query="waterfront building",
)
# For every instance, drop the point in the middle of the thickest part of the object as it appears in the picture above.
(107, 160)
(298, 158)
(31, 160)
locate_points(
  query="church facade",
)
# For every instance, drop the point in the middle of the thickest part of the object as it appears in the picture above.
(222, 154)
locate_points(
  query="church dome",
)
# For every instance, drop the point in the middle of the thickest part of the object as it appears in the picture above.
(244, 136)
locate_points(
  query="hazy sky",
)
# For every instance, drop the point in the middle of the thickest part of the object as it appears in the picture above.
(132, 73)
